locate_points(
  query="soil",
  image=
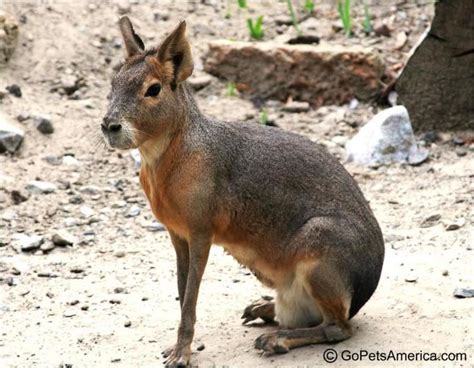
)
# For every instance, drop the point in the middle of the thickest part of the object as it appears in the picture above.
(111, 299)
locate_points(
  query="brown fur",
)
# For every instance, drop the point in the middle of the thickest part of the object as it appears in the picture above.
(277, 202)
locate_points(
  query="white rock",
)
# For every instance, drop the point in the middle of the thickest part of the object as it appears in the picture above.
(135, 155)
(86, 212)
(27, 243)
(41, 187)
(63, 238)
(70, 161)
(388, 137)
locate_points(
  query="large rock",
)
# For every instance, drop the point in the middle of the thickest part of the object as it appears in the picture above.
(386, 138)
(10, 136)
(8, 36)
(437, 84)
(320, 75)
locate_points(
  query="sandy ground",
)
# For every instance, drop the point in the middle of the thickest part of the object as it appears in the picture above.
(70, 306)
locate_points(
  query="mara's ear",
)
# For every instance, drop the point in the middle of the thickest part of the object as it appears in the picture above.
(175, 49)
(133, 42)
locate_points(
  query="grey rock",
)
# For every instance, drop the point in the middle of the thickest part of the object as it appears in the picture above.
(14, 90)
(90, 189)
(155, 226)
(455, 225)
(27, 243)
(133, 212)
(10, 136)
(69, 83)
(463, 293)
(53, 160)
(41, 187)
(63, 238)
(43, 124)
(388, 137)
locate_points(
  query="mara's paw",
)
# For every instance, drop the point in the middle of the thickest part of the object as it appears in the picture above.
(263, 308)
(177, 357)
(272, 343)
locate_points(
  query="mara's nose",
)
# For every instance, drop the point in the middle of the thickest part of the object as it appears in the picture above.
(109, 125)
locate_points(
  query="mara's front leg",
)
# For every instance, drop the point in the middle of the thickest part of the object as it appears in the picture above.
(199, 246)
(182, 268)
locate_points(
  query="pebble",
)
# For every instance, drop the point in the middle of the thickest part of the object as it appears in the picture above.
(133, 212)
(69, 83)
(198, 83)
(431, 220)
(127, 324)
(53, 160)
(114, 301)
(85, 308)
(14, 90)
(18, 196)
(463, 293)
(296, 106)
(11, 137)
(90, 189)
(63, 238)
(69, 314)
(381, 29)
(411, 277)
(86, 212)
(201, 347)
(119, 290)
(41, 187)
(70, 161)
(44, 124)
(47, 246)
(455, 225)
(76, 270)
(28, 243)
(155, 226)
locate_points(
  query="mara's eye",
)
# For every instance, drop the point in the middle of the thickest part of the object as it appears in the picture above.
(153, 90)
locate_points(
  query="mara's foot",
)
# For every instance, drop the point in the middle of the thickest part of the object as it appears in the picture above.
(263, 308)
(272, 343)
(177, 357)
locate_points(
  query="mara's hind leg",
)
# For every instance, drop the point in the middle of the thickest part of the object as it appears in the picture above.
(263, 308)
(331, 297)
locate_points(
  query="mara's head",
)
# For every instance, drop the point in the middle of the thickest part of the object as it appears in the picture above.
(144, 100)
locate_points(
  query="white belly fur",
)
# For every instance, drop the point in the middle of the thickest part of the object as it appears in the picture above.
(295, 307)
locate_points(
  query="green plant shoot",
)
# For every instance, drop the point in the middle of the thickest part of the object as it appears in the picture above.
(309, 6)
(344, 9)
(264, 117)
(242, 4)
(231, 89)
(293, 16)
(256, 28)
(366, 23)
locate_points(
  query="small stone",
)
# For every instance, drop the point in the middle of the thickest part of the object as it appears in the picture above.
(69, 83)
(85, 308)
(53, 160)
(127, 324)
(43, 124)
(70, 161)
(161, 15)
(401, 40)
(431, 220)
(69, 314)
(63, 238)
(11, 137)
(155, 226)
(445, 273)
(90, 189)
(18, 196)
(74, 302)
(198, 83)
(119, 290)
(28, 243)
(10, 281)
(76, 270)
(86, 212)
(76, 199)
(41, 187)
(296, 106)
(463, 293)
(14, 90)
(120, 254)
(114, 301)
(411, 277)
(135, 155)
(47, 246)
(381, 29)
(133, 212)
(455, 225)
(201, 347)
